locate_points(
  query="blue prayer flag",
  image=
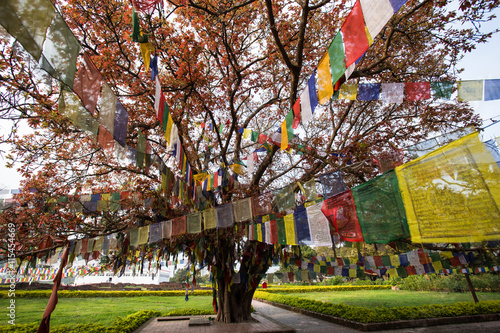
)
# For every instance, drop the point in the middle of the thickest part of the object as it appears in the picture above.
(491, 89)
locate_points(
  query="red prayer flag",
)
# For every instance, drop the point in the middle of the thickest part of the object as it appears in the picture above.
(411, 270)
(341, 213)
(88, 83)
(179, 226)
(146, 6)
(161, 107)
(416, 91)
(378, 261)
(296, 114)
(105, 140)
(274, 232)
(354, 35)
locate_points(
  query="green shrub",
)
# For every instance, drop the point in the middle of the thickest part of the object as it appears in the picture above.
(487, 282)
(189, 312)
(102, 293)
(121, 325)
(319, 288)
(383, 314)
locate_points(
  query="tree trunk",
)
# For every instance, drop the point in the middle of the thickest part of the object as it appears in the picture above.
(235, 299)
(235, 305)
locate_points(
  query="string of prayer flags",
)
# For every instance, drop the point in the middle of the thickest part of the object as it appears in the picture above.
(464, 207)
(333, 183)
(341, 213)
(380, 210)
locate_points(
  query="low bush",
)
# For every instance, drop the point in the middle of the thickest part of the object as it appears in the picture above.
(121, 325)
(488, 282)
(305, 289)
(102, 293)
(383, 314)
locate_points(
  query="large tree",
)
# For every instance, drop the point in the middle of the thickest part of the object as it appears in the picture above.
(231, 65)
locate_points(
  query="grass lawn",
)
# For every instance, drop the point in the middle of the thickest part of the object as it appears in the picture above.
(393, 298)
(101, 310)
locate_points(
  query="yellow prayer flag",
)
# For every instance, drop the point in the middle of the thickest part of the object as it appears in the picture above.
(247, 133)
(284, 136)
(238, 168)
(395, 261)
(352, 273)
(266, 218)
(325, 86)
(146, 54)
(259, 232)
(168, 130)
(348, 91)
(392, 272)
(290, 230)
(368, 36)
(452, 194)
(317, 268)
(437, 266)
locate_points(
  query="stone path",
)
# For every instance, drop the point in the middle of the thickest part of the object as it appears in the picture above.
(269, 318)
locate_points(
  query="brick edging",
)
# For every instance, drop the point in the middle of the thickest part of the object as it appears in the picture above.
(388, 325)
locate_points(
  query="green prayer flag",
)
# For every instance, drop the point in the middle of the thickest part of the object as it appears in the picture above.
(135, 26)
(280, 226)
(442, 89)
(254, 137)
(337, 58)
(380, 210)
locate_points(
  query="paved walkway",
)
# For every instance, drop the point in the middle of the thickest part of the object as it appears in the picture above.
(269, 318)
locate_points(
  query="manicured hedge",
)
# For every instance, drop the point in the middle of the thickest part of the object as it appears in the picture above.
(383, 314)
(99, 293)
(121, 325)
(306, 289)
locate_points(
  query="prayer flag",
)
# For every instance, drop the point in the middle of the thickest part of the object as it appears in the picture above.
(107, 108)
(153, 64)
(397, 4)
(337, 57)
(296, 114)
(179, 226)
(88, 83)
(325, 86)
(193, 223)
(143, 235)
(368, 91)
(341, 213)
(380, 210)
(354, 35)
(392, 92)
(471, 90)
(442, 89)
(285, 198)
(491, 89)
(318, 226)
(302, 226)
(242, 210)
(376, 14)
(120, 126)
(105, 140)
(308, 99)
(348, 91)
(209, 218)
(224, 215)
(281, 231)
(333, 183)
(290, 230)
(464, 208)
(246, 133)
(287, 130)
(146, 6)
(416, 91)
(146, 54)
